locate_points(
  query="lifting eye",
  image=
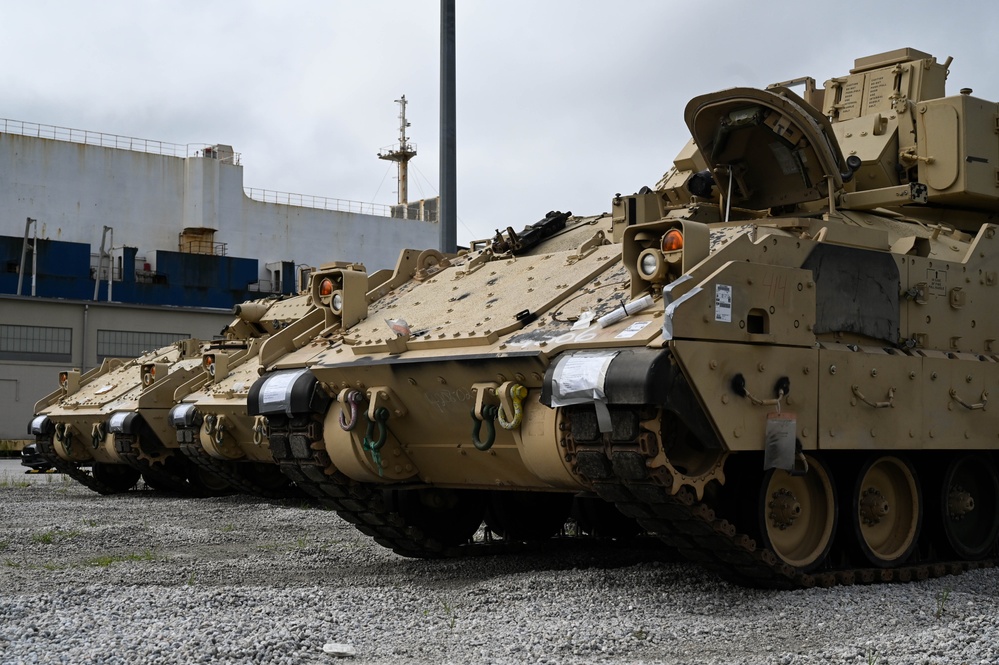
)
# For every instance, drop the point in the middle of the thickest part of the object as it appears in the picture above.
(672, 241)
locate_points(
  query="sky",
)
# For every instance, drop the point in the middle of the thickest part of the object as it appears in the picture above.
(560, 103)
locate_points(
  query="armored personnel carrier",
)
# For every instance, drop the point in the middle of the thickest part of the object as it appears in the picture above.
(108, 427)
(210, 417)
(779, 360)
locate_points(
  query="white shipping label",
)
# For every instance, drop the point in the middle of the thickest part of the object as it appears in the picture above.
(583, 374)
(275, 389)
(632, 330)
(579, 378)
(723, 303)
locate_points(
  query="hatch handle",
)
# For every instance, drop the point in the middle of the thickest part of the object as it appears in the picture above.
(971, 407)
(875, 405)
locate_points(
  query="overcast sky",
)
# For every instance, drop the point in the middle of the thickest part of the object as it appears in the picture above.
(560, 103)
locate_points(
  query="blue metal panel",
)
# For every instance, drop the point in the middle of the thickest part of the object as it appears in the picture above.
(180, 280)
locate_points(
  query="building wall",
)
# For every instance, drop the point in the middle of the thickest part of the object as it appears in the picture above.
(74, 190)
(25, 380)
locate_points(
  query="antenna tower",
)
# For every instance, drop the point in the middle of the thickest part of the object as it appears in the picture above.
(401, 153)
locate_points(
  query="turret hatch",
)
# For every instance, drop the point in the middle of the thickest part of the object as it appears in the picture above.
(778, 149)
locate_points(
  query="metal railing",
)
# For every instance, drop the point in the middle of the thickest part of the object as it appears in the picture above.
(318, 202)
(100, 139)
(207, 247)
(327, 203)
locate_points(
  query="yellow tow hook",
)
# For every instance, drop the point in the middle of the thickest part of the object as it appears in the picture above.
(517, 394)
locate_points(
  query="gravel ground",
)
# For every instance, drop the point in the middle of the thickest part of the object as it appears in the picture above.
(147, 578)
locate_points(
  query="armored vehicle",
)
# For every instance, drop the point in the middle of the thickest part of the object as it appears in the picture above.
(779, 360)
(108, 427)
(210, 418)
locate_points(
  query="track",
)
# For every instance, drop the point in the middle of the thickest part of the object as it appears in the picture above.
(693, 528)
(679, 520)
(239, 475)
(78, 473)
(297, 446)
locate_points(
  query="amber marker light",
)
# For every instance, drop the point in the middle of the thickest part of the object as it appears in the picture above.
(63, 379)
(672, 241)
(326, 287)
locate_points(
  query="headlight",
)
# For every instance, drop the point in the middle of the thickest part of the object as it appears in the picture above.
(652, 265)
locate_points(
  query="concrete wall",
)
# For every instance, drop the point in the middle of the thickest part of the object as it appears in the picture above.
(22, 383)
(74, 190)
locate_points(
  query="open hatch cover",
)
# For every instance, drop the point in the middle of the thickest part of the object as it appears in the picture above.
(779, 149)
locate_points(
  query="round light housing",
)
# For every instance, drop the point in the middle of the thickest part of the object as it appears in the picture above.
(649, 265)
(336, 302)
(672, 241)
(326, 287)
(652, 265)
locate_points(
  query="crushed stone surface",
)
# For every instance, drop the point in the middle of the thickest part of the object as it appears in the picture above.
(149, 578)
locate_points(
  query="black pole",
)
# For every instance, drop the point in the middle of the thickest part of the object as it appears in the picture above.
(448, 207)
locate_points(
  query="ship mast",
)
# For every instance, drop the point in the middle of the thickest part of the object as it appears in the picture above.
(401, 153)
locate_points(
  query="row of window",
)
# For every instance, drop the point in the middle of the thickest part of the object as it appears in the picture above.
(50, 344)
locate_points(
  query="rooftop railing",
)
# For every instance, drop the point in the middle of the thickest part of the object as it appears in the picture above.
(318, 202)
(87, 137)
(101, 139)
(339, 205)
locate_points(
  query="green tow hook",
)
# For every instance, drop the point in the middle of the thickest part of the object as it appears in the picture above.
(489, 418)
(373, 445)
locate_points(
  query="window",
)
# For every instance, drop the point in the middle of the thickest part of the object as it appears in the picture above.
(129, 344)
(36, 343)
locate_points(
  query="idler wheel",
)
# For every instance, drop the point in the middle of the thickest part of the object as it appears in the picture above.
(887, 510)
(119, 477)
(969, 500)
(798, 514)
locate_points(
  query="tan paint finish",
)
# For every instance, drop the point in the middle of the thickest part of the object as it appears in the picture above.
(848, 377)
(739, 423)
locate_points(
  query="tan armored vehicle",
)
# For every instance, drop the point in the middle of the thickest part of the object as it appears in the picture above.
(109, 426)
(210, 417)
(779, 360)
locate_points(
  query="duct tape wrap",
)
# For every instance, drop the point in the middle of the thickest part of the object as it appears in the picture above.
(288, 392)
(579, 379)
(672, 304)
